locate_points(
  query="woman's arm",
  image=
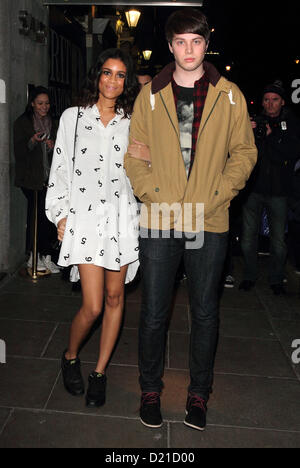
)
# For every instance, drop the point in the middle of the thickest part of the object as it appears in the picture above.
(58, 193)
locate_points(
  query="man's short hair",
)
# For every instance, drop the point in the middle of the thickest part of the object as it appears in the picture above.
(187, 21)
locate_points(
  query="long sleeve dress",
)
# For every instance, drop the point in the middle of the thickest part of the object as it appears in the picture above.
(89, 186)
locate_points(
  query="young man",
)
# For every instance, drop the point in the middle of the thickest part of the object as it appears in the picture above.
(190, 118)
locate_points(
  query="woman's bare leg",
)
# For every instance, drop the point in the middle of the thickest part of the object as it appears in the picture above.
(114, 305)
(92, 284)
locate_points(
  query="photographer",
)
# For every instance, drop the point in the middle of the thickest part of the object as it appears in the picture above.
(277, 136)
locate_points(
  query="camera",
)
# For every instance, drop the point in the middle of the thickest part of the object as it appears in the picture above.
(261, 129)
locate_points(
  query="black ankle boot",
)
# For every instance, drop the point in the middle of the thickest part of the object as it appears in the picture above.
(72, 377)
(95, 395)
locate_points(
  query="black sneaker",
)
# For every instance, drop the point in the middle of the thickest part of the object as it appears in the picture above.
(72, 377)
(195, 412)
(95, 395)
(150, 414)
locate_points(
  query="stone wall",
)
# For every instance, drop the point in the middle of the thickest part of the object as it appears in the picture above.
(23, 61)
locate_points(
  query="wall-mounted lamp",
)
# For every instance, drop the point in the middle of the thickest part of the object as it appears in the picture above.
(132, 17)
(147, 54)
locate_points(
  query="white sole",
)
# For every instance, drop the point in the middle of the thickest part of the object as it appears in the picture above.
(149, 425)
(194, 427)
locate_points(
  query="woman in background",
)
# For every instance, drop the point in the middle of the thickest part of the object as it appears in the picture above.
(34, 136)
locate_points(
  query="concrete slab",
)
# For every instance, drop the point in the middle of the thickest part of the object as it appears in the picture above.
(52, 430)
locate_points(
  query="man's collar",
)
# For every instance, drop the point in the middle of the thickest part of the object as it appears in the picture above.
(165, 76)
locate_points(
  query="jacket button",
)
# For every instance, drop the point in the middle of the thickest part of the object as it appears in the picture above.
(216, 192)
(157, 189)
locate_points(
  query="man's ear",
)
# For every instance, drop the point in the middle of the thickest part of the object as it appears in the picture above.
(207, 45)
(170, 47)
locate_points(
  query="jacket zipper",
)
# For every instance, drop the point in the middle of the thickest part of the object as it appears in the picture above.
(208, 117)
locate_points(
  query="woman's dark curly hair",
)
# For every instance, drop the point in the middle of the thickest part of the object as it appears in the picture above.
(90, 92)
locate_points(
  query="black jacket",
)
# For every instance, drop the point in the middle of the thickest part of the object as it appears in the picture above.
(29, 164)
(277, 154)
(294, 198)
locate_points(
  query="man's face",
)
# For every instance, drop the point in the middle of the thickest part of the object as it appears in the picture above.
(188, 50)
(272, 104)
(143, 80)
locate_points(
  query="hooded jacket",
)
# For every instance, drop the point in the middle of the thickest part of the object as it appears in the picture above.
(170, 199)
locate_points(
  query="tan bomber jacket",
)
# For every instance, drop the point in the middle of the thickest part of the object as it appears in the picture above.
(225, 156)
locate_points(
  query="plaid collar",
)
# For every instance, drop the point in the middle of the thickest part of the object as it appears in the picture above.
(199, 97)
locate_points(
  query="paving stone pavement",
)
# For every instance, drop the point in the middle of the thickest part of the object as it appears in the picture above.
(256, 397)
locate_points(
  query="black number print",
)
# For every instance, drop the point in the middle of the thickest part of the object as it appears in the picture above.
(83, 241)
(88, 259)
(117, 194)
(101, 159)
(89, 128)
(72, 211)
(117, 148)
(72, 232)
(114, 180)
(78, 172)
(100, 183)
(90, 208)
(118, 260)
(82, 189)
(84, 150)
(101, 254)
(66, 257)
(51, 185)
(58, 150)
(118, 165)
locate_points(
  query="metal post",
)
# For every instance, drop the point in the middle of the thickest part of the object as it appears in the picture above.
(35, 232)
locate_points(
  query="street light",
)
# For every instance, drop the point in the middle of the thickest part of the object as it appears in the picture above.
(132, 17)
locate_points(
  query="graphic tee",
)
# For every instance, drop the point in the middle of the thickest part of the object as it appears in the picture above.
(185, 114)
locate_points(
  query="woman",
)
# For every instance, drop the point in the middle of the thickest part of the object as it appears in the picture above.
(92, 204)
(34, 136)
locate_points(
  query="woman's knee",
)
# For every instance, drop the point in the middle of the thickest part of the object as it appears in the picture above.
(91, 311)
(114, 298)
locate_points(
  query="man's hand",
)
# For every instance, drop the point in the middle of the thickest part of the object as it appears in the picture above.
(61, 227)
(269, 130)
(139, 150)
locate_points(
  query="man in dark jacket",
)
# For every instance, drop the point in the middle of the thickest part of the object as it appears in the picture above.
(294, 216)
(277, 136)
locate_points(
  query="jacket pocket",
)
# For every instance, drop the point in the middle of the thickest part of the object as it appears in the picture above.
(220, 196)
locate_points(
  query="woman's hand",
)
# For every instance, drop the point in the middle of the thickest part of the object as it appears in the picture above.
(61, 227)
(36, 137)
(139, 150)
(50, 144)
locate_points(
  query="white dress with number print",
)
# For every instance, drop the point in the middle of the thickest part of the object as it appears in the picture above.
(93, 192)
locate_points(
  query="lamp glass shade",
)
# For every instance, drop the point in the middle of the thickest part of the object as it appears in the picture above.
(147, 54)
(132, 17)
